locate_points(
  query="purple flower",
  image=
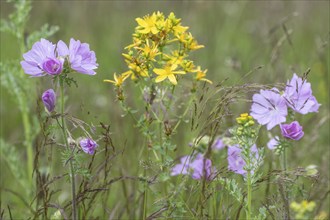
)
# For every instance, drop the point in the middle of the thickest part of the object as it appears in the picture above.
(42, 59)
(198, 168)
(181, 168)
(81, 58)
(235, 161)
(49, 99)
(269, 108)
(298, 95)
(292, 131)
(88, 145)
(272, 143)
(201, 167)
(218, 144)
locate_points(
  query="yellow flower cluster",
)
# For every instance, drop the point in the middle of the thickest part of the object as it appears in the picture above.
(245, 120)
(160, 51)
(301, 209)
(244, 129)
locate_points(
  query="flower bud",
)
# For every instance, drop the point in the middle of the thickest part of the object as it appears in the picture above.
(49, 99)
(292, 131)
(88, 145)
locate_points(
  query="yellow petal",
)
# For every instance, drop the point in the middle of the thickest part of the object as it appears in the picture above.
(172, 79)
(179, 72)
(160, 78)
(160, 71)
(141, 22)
(144, 31)
(154, 30)
(109, 81)
(206, 80)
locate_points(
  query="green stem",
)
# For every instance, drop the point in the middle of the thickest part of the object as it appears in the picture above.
(73, 180)
(284, 159)
(28, 144)
(249, 195)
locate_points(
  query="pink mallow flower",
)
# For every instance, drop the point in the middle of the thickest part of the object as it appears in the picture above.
(292, 131)
(88, 145)
(273, 143)
(236, 162)
(198, 167)
(298, 95)
(42, 59)
(269, 108)
(80, 57)
(49, 99)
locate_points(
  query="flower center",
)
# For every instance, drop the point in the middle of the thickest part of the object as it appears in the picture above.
(52, 66)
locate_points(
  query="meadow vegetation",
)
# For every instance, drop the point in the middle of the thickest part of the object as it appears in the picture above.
(164, 110)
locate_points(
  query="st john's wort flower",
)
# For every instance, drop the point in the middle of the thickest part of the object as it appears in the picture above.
(292, 131)
(298, 95)
(80, 57)
(88, 145)
(49, 99)
(236, 162)
(269, 108)
(42, 59)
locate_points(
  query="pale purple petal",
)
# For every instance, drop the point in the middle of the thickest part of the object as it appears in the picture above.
(298, 95)
(81, 58)
(269, 108)
(62, 49)
(49, 99)
(88, 145)
(41, 59)
(272, 143)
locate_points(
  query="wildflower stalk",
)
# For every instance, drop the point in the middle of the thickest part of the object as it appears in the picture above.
(249, 194)
(284, 158)
(72, 173)
(28, 142)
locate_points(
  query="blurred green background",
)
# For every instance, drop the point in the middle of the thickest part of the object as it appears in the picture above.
(281, 36)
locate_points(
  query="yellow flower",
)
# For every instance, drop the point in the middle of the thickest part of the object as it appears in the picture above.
(147, 24)
(201, 74)
(139, 69)
(188, 41)
(245, 119)
(168, 72)
(118, 80)
(150, 52)
(175, 58)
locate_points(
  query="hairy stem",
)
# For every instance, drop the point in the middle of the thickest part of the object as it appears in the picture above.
(28, 144)
(73, 180)
(249, 195)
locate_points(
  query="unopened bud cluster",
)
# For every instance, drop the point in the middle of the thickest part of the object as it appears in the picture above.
(245, 123)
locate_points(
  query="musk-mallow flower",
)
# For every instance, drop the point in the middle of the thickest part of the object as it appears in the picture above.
(49, 99)
(80, 57)
(298, 95)
(269, 108)
(292, 131)
(88, 145)
(42, 59)
(182, 167)
(236, 162)
(218, 144)
(198, 166)
(202, 167)
(273, 143)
